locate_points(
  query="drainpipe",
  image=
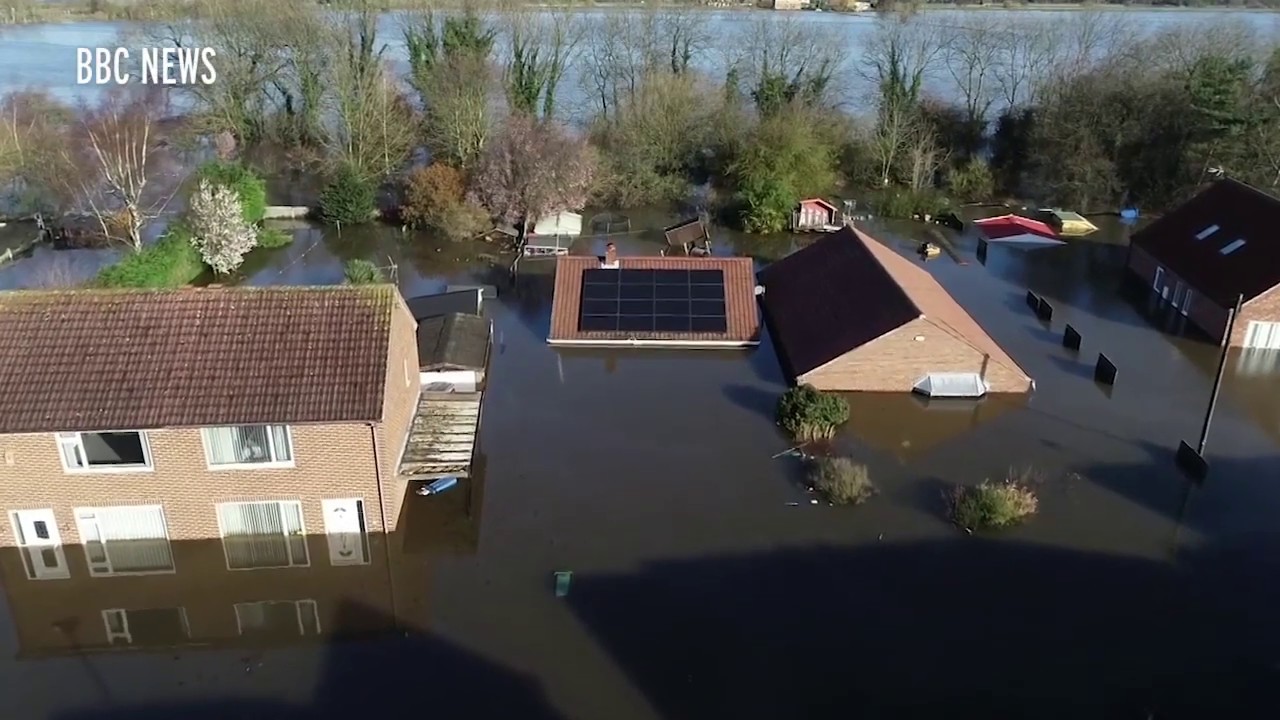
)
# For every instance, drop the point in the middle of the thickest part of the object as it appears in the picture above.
(382, 513)
(1222, 368)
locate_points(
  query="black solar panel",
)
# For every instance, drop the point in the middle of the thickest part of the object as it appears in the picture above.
(648, 301)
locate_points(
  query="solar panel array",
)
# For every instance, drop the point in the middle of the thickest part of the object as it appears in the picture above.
(653, 301)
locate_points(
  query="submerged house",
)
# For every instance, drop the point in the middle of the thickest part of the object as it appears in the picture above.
(667, 302)
(1212, 249)
(251, 417)
(1016, 230)
(847, 314)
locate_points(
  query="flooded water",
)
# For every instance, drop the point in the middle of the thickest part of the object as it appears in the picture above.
(705, 584)
(44, 56)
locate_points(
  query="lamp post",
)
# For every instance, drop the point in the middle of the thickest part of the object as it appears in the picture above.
(1222, 368)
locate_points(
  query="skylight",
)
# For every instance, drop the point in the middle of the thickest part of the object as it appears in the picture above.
(1228, 249)
(1207, 232)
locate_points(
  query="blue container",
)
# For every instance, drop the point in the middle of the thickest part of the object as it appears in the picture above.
(438, 486)
(1129, 213)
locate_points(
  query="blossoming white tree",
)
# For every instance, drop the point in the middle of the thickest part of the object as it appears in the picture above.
(218, 229)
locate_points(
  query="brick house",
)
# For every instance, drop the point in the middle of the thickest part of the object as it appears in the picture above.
(266, 422)
(849, 314)
(1212, 249)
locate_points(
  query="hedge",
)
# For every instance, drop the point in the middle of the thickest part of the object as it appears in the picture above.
(171, 262)
(251, 188)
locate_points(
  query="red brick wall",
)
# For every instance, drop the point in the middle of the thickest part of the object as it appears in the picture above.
(1264, 308)
(895, 362)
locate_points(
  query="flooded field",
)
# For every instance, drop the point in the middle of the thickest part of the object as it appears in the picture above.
(705, 584)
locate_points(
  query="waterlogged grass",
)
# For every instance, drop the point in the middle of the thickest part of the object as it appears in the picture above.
(170, 263)
(841, 480)
(990, 505)
(808, 414)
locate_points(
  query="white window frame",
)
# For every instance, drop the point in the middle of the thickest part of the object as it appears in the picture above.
(302, 519)
(24, 547)
(271, 446)
(106, 546)
(297, 608)
(75, 440)
(1157, 281)
(126, 635)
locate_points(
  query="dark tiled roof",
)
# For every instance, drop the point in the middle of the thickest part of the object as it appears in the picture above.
(1241, 212)
(848, 289)
(739, 295)
(137, 359)
(460, 301)
(829, 298)
(453, 341)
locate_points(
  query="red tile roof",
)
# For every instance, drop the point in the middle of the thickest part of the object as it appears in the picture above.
(739, 290)
(86, 360)
(1223, 213)
(1006, 226)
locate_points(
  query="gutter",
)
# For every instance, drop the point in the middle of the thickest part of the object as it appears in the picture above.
(382, 513)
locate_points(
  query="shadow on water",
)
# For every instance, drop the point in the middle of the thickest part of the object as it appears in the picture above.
(972, 628)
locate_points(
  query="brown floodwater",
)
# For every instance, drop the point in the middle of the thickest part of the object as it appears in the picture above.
(705, 584)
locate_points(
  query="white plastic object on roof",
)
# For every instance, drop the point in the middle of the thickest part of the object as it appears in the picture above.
(951, 385)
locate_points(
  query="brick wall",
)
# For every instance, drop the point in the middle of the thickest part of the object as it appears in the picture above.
(1264, 308)
(403, 384)
(895, 362)
(1204, 313)
(330, 461)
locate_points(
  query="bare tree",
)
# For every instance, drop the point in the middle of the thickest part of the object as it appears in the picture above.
(1030, 50)
(624, 48)
(901, 53)
(530, 169)
(119, 166)
(805, 58)
(971, 55)
(33, 133)
(542, 46)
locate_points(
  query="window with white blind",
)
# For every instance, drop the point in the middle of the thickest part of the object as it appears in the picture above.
(263, 534)
(278, 619)
(104, 451)
(125, 540)
(248, 445)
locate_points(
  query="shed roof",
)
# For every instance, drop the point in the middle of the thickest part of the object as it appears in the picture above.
(92, 360)
(454, 341)
(848, 289)
(1223, 241)
(466, 301)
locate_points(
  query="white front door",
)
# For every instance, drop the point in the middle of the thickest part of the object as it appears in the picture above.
(37, 535)
(1265, 335)
(344, 524)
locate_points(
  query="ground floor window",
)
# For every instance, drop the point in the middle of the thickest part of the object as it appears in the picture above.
(263, 534)
(125, 540)
(278, 619)
(1263, 335)
(154, 626)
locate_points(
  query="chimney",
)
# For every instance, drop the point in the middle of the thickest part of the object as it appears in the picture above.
(610, 259)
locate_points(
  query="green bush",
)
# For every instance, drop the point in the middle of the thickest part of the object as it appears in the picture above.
(990, 505)
(905, 204)
(171, 262)
(348, 200)
(362, 272)
(972, 181)
(841, 481)
(251, 188)
(807, 414)
(272, 238)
